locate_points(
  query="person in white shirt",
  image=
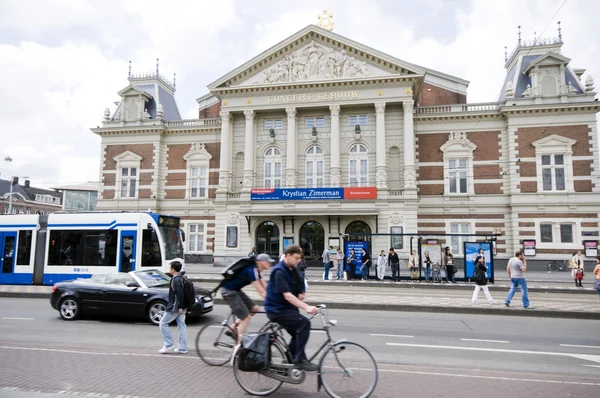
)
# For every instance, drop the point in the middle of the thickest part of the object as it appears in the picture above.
(381, 265)
(340, 264)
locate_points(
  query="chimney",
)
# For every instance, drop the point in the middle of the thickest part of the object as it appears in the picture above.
(15, 181)
(26, 183)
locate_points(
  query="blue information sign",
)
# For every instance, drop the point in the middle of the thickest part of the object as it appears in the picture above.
(357, 247)
(297, 194)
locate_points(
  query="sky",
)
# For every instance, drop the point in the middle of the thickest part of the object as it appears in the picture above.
(62, 62)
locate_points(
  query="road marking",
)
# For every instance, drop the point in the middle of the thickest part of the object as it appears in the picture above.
(391, 335)
(17, 319)
(593, 366)
(580, 346)
(585, 357)
(486, 341)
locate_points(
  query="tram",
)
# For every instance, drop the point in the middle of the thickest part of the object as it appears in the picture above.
(45, 249)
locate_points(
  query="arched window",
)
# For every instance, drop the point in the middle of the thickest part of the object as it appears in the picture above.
(358, 166)
(273, 167)
(267, 238)
(314, 167)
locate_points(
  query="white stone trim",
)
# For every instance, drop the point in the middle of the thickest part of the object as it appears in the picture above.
(555, 145)
(555, 244)
(197, 156)
(186, 227)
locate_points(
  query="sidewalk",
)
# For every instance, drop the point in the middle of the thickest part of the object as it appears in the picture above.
(386, 296)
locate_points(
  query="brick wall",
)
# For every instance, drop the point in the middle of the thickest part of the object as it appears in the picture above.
(146, 151)
(528, 135)
(210, 112)
(433, 95)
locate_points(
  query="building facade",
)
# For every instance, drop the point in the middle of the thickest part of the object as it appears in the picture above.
(27, 199)
(321, 140)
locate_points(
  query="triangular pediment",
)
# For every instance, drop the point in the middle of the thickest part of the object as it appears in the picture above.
(132, 90)
(128, 156)
(315, 54)
(554, 142)
(549, 59)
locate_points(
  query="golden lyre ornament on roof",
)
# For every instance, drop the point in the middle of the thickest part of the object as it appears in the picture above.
(325, 21)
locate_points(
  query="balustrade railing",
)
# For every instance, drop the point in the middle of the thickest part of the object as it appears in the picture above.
(194, 122)
(481, 107)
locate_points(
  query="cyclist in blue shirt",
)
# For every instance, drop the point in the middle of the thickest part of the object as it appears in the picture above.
(284, 297)
(241, 305)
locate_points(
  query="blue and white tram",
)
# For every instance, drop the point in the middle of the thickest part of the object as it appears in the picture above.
(45, 249)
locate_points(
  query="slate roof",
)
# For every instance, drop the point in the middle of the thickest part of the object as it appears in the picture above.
(28, 193)
(159, 95)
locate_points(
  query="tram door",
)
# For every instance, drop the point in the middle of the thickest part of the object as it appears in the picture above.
(128, 250)
(8, 256)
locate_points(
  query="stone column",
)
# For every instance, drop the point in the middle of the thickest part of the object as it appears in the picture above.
(410, 176)
(226, 151)
(291, 156)
(248, 181)
(380, 154)
(335, 176)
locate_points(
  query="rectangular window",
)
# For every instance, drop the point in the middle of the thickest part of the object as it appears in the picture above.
(199, 182)
(396, 241)
(546, 233)
(457, 175)
(232, 236)
(566, 233)
(314, 174)
(315, 121)
(275, 124)
(353, 120)
(128, 182)
(272, 174)
(352, 173)
(24, 247)
(196, 238)
(456, 242)
(81, 247)
(553, 173)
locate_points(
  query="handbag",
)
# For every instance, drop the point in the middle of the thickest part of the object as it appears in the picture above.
(579, 274)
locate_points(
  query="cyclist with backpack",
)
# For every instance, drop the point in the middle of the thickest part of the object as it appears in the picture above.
(175, 311)
(240, 274)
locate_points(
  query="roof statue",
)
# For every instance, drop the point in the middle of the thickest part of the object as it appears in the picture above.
(325, 21)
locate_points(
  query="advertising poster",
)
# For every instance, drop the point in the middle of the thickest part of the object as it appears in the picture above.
(474, 249)
(591, 248)
(357, 246)
(529, 247)
(287, 242)
(348, 193)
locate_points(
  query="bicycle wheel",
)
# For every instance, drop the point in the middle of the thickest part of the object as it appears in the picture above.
(213, 346)
(256, 383)
(348, 370)
(553, 267)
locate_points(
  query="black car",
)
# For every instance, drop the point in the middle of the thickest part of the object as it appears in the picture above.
(135, 294)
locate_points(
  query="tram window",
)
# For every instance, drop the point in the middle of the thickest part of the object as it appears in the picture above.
(24, 248)
(150, 249)
(74, 247)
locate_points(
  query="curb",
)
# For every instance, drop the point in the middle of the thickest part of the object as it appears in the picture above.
(473, 310)
(438, 286)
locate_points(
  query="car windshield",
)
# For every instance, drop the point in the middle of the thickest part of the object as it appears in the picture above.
(96, 279)
(173, 246)
(153, 278)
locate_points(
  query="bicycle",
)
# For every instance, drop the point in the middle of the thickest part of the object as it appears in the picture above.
(556, 266)
(358, 366)
(215, 341)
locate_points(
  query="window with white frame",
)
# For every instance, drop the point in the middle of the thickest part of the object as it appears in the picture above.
(353, 120)
(275, 124)
(457, 175)
(557, 232)
(554, 168)
(199, 182)
(458, 164)
(315, 167)
(358, 166)
(198, 168)
(273, 165)
(196, 233)
(456, 242)
(129, 178)
(128, 168)
(315, 121)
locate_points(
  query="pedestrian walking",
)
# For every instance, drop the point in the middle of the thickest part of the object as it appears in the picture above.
(576, 266)
(174, 312)
(352, 265)
(413, 265)
(448, 265)
(252, 252)
(325, 259)
(366, 264)
(597, 277)
(516, 268)
(480, 278)
(428, 264)
(340, 264)
(382, 262)
(394, 262)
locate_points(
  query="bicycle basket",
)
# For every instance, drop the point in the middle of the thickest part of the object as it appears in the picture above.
(255, 352)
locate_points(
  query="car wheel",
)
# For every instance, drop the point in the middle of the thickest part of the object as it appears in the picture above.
(156, 309)
(69, 309)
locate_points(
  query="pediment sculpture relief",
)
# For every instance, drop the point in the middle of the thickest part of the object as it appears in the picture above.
(315, 62)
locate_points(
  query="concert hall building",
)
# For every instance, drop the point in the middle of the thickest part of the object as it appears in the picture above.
(321, 140)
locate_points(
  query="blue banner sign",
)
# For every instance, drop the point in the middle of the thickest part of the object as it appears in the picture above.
(297, 194)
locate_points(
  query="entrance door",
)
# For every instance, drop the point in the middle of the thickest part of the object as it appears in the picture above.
(267, 239)
(128, 249)
(8, 256)
(312, 242)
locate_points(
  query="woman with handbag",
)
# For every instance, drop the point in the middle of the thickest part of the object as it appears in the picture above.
(480, 278)
(576, 266)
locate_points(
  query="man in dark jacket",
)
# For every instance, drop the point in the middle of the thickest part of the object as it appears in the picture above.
(394, 263)
(174, 312)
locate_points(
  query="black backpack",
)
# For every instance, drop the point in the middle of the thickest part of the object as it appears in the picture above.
(232, 270)
(255, 352)
(189, 293)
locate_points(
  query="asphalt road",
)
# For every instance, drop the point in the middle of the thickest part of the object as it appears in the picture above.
(434, 346)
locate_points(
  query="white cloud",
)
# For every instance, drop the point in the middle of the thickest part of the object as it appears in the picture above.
(66, 59)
